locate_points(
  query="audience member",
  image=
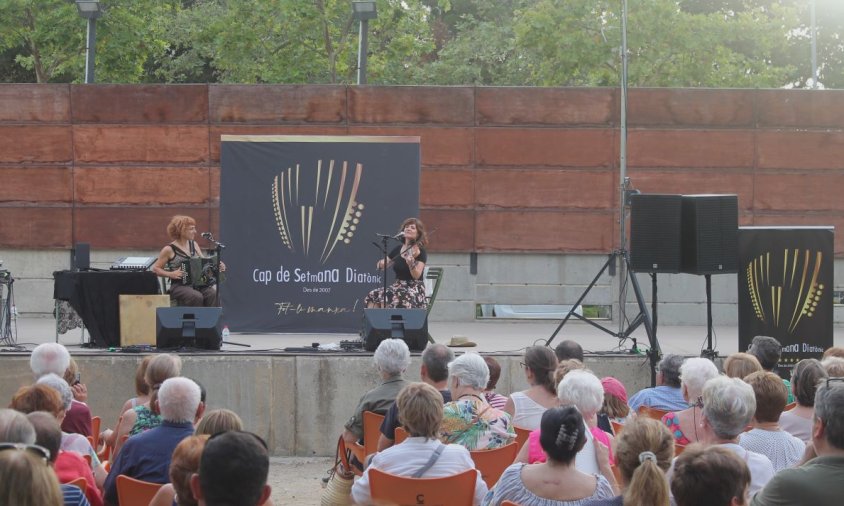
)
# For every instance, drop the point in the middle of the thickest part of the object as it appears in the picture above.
(15, 428)
(739, 365)
(583, 390)
(643, 452)
(728, 407)
(834, 366)
(615, 400)
(818, 481)
(495, 400)
(834, 351)
(147, 416)
(557, 481)
(391, 360)
(68, 466)
(434, 371)
(694, 373)
(27, 480)
(52, 394)
(469, 420)
(666, 395)
(218, 420)
(184, 464)
(78, 417)
(712, 476)
(146, 456)
(49, 358)
(421, 413)
(568, 349)
(805, 377)
(768, 350)
(566, 366)
(233, 470)
(766, 436)
(526, 407)
(108, 436)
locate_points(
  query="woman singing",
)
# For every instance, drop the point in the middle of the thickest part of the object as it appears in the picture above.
(408, 262)
(182, 229)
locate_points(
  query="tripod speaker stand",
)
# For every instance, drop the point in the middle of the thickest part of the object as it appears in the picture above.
(642, 318)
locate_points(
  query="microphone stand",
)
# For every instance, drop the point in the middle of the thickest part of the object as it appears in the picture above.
(218, 249)
(383, 248)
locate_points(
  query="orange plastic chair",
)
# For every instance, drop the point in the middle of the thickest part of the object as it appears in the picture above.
(521, 435)
(509, 503)
(132, 492)
(650, 412)
(371, 433)
(88, 459)
(81, 483)
(678, 449)
(491, 463)
(400, 435)
(617, 473)
(454, 490)
(616, 427)
(789, 407)
(96, 422)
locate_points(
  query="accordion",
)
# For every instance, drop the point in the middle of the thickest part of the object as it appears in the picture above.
(200, 272)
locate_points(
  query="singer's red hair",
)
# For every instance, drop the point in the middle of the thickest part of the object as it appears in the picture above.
(178, 225)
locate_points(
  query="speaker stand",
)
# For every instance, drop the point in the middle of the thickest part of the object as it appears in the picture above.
(642, 318)
(709, 352)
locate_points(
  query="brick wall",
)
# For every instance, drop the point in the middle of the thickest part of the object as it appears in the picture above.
(503, 169)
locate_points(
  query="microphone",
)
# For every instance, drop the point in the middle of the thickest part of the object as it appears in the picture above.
(207, 235)
(400, 235)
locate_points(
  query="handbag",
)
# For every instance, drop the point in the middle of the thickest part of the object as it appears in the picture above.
(338, 490)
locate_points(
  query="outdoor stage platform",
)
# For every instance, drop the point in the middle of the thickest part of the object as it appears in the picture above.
(299, 400)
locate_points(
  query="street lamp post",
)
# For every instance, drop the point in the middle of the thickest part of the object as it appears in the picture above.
(814, 22)
(90, 10)
(363, 11)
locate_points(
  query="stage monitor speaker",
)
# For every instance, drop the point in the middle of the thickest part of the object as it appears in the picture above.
(80, 257)
(409, 325)
(710, 234)
(655, 233)
(188, 327)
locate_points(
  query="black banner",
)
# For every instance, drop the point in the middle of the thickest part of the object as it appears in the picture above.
(299, 215)
(785, 289)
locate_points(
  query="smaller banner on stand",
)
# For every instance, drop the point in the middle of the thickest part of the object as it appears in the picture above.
(785, 289)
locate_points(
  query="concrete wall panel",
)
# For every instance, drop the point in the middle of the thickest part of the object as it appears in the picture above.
(683, 107)
(277, 104)
(42, 103)
(119, 227)
(31, 184)
(41, 143)
(691, 148)
(141, 185)
(35, 227)
(800, 108)
(447, 187)
(140, 144)
(566, 189)
(546, 106)
(791, 149)
(543, 231)
(545, 147)
(139, 103)
(440, 146)
(380, 105)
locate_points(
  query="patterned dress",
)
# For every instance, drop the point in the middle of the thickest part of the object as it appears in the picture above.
(474, 424)
(145, 420)
(672, 421)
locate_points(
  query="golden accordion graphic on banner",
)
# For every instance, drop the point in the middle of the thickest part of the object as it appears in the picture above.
(784, 289)
(331, 218)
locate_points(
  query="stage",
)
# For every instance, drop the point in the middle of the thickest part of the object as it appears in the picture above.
(299, 400)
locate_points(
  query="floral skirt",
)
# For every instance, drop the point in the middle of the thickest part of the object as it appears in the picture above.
(401, 294)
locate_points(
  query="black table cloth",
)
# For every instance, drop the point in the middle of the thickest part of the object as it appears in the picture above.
(94, 296)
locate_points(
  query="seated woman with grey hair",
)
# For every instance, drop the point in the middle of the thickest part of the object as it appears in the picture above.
(557, 481)
(583, 390)
(728, 407)
(391, 359)
(421, 414)
(469, 420)
(694, 373)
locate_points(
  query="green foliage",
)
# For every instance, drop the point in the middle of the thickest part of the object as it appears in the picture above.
(694, 43)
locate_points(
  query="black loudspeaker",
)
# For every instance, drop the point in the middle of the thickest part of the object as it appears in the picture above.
(409, 325)
(655, 233)
(710, 234)
(80, 257)
(188, 327)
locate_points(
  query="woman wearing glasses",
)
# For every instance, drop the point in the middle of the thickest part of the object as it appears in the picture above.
(526, 407)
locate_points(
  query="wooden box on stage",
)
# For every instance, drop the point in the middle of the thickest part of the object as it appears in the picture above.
(137, 318)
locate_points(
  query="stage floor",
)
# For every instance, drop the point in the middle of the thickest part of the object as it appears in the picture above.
(490, 336)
